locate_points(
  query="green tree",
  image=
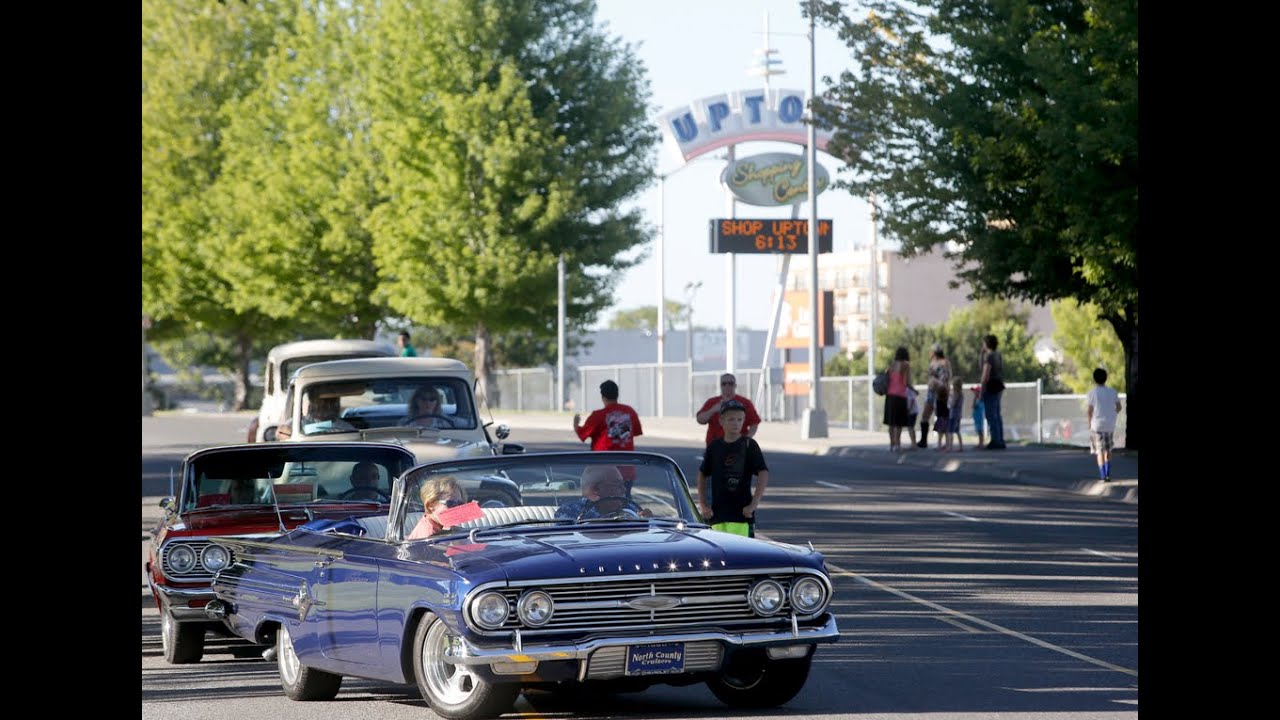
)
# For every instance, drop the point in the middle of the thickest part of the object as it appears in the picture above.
(1008, 128)
(645, 317)
(196, 58)
(961, 338)
(297, 184)
(509, 132)
(841, 365)
(1085, 346)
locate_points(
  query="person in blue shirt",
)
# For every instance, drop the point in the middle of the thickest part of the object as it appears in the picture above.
(604, 493)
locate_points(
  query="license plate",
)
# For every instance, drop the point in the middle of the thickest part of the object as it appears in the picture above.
(655, 659)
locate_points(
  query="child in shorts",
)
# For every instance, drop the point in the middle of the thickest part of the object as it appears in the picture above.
(956, 409)
(913, 412)
(979, 412)
(942, 413)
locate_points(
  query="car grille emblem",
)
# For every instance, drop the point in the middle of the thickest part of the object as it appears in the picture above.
(654, 602)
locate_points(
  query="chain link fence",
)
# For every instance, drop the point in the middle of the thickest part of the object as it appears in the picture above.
(670, 389)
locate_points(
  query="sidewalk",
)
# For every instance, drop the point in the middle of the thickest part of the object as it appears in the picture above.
(1054, 466)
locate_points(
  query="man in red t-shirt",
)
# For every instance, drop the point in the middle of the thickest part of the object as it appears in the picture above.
(709, 415)
(612, 427)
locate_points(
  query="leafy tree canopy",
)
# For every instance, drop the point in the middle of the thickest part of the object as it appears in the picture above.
(1086, 345)
(645, 317)
(1007, 131)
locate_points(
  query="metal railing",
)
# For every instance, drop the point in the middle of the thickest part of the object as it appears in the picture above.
(1029, 415)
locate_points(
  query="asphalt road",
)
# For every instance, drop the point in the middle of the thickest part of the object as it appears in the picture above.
(958, 597)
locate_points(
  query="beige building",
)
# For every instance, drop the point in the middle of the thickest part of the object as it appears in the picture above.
(913, 289)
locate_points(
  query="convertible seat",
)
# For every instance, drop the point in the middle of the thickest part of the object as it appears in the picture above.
(375, 526)
(492, 516)
(500, 515)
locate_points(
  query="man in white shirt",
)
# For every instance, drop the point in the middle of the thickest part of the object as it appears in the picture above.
(1103, 404)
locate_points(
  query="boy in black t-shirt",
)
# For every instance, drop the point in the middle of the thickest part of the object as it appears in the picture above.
(729, 462)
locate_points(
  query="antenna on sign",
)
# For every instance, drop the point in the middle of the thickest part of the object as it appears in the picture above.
(763, 64)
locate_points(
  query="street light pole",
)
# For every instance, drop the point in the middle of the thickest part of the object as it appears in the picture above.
(662, 289)
(146, 399)
(873, 283)
(690, 292)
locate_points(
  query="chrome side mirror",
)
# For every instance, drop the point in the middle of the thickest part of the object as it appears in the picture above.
(502, 431)
(269, 435)
(166, 503)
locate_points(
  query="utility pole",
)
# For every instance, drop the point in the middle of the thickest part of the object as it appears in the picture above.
(559, 405)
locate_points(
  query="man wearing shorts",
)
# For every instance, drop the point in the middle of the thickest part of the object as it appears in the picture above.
(1103, 407)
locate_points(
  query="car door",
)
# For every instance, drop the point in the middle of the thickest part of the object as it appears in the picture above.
(346, 591)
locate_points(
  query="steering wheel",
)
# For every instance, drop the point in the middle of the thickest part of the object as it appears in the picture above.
(625, 508)
(365, 494)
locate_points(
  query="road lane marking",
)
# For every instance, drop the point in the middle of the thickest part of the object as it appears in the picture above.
(1102, 554)
(961, 625)
(979, 621)
(833, 485)
(962, 517)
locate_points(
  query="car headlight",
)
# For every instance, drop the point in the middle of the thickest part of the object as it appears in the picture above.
(807, 595)
(490, 610)
(535, 608)
(182, 559)
(214, 558)
(766, 597)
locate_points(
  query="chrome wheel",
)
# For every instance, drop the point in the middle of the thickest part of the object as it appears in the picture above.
(299, 681)
(286, 658)
(182, 642)
(450, 683)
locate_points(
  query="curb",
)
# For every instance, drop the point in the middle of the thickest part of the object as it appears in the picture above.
(1122, 491)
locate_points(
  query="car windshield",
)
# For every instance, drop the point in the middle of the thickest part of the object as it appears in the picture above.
(300, 473)
(441, 403)
(553, 488)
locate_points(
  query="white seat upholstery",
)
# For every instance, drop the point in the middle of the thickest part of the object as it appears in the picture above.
(500, 515)
(492, 516)
(375, 526)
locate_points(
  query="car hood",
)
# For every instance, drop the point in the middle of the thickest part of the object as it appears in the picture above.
(263, 518)
(425, 446)
(438, 448)
(630, 549)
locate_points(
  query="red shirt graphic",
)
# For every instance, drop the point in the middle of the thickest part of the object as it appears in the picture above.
(612, 427)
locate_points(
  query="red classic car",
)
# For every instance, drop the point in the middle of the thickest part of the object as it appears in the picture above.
(253, 491)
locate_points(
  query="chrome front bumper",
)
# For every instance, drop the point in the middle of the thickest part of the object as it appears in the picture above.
(466, 653)
(176, 601)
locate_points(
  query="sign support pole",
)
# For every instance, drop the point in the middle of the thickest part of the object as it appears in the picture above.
(814, 423)
(760, 399)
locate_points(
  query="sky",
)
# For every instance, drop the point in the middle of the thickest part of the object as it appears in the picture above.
(693, 49)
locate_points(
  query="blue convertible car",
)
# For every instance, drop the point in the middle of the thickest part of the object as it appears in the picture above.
(604, 573)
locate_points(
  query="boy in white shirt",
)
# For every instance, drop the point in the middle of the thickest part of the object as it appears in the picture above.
(1103, 404)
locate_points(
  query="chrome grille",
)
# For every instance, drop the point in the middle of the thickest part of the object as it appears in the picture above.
(197, 573)
(611, 662)
(719, 601)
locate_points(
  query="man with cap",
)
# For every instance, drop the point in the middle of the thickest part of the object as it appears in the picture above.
(614, 426)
